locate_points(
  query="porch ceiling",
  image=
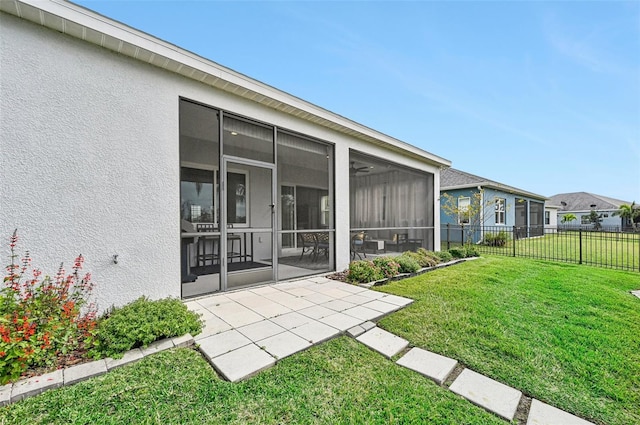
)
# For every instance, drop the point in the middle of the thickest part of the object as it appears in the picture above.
(94, 28)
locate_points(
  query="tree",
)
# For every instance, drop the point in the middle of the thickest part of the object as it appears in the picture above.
(595, 219)
(568, 218)
(469, 215)
(631, 213)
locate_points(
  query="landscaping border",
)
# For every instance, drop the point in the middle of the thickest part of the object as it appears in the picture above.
(402, 276)
(25, 388)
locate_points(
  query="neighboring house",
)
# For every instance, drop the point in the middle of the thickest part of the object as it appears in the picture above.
(550, 218)
(581, 204)
(503, 206)
(198, 178)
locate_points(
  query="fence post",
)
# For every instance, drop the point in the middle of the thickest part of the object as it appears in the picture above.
(580, 242)
(462, 234)
(514, 240)
(448, 238)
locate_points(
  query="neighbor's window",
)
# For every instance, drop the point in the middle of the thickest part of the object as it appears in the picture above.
(463, 210)
(584, 219)
(500, 204)
(547, 217)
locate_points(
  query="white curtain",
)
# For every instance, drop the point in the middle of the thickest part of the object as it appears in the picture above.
(391, 199)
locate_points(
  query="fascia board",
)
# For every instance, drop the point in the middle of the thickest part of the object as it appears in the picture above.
(488, 185)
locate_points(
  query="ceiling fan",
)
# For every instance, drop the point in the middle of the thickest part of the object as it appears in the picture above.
(353, 170)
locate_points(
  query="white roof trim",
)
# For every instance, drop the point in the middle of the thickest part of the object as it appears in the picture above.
(489, 185)
(92, 27)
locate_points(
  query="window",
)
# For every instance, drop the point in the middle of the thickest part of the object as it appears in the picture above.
(236, 198)
(547, 217)
(325, 211)
(196, 187)
(585, 219)
(500, 204)
(463, 210)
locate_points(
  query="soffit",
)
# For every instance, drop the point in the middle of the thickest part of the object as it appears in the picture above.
(94, 28)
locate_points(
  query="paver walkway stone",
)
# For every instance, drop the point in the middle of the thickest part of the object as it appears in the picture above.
(341, 321)
(283, 318)
(243, 362)
(485, 392)
(315, 332)
(222, 343)
(429, 364)
(284, 344)
(363, 313)
(383, 342)
(261, 330)
(543, 414)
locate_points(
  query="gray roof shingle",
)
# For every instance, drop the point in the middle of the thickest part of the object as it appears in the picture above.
(451, 178)
(583, 201)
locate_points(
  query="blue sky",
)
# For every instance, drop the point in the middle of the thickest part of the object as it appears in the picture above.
(544, 96)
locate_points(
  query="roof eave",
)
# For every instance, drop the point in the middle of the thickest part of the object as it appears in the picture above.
(489, 185)
(79, 22)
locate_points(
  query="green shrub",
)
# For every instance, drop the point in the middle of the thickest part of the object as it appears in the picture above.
(387, 265)
(472, 251)
(142, 322)
(458, 252)
(422, 260)
(496, 239)
(364, 271)
(407, 264)
(429, 254)
(444, 256)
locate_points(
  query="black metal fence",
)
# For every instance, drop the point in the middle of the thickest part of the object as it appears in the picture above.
(603, 247)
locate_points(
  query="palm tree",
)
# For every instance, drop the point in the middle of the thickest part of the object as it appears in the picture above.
(567, 218)
(629, 212)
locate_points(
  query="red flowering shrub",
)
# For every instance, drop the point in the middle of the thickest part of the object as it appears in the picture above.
(42, 319)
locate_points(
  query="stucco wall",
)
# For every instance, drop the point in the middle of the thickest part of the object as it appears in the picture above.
(553, 220)
(87, 166)
(89, 159)
(610, 222)
(488, 219)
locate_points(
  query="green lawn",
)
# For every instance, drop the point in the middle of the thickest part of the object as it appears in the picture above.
(338, 382)
(566, 334)
(615, 250)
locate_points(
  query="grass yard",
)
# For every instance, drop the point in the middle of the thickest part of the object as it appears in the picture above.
(338, 382)
(616, 250)
(565, 334)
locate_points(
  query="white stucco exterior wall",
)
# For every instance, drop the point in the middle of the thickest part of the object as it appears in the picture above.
(90, 162)
(552, 227)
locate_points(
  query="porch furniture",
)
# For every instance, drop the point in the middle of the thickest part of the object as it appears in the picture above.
(308, 242)
(206, 248)
(398, 242)
(375, 246)
(357, 245)
(322, 245)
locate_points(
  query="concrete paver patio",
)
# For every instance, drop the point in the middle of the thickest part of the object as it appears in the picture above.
(248, 330)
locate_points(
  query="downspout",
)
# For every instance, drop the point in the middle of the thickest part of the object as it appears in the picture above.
(481, 213)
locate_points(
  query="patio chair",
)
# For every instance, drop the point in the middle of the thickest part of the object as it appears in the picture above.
(322, 245)
(206, 248)
(309, 244)
(398, 242)
(357, 245)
